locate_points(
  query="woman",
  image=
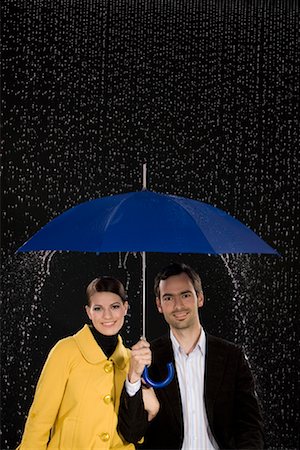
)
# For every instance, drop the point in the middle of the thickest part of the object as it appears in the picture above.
(77, 397)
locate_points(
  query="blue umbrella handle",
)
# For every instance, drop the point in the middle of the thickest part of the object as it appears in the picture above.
(160, 384)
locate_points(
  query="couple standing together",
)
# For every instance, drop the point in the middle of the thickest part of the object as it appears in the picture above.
(90, 394)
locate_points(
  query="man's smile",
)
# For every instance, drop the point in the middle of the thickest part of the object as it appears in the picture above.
(181, 315)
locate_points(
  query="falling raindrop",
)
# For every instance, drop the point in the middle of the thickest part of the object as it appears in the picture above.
(206, 92)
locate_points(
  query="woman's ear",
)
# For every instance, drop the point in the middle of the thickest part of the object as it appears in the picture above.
(87, 310)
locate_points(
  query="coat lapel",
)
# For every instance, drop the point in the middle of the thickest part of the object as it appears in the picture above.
(93, 353)
(88, 346)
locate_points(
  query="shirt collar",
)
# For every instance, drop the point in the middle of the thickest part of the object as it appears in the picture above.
(201, 344)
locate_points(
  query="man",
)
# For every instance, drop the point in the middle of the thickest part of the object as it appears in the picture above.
(211, 402)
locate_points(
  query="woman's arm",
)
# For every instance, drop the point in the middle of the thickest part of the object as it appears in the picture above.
(140, 406)
(47, 399)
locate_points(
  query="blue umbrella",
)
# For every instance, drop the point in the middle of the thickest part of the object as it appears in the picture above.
(147, 221)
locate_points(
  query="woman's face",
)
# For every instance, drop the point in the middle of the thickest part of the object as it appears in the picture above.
(107, 312)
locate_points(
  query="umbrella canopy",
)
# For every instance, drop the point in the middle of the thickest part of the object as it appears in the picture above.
(146, 221)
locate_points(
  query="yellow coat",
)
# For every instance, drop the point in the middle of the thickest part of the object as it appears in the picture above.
(77, 397)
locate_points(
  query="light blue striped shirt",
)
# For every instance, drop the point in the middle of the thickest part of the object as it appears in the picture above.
(190, 372)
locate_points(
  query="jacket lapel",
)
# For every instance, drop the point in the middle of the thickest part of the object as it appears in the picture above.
(214, 370)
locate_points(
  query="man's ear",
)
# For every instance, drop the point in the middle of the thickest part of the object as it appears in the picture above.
(158, 304)
(126, 306)
(200, 297)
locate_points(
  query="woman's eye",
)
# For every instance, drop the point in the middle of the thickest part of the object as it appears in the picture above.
(97, 308)
(115, 306)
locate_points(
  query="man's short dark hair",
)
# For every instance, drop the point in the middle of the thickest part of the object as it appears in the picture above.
(176, 269)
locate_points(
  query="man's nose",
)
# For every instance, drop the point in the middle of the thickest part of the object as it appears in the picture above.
(178, 302)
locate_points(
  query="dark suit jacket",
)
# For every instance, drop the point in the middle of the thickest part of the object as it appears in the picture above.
(231, 404)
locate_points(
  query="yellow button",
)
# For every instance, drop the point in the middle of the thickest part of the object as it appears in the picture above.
(104, 437)
(108, 367)
(107, 399)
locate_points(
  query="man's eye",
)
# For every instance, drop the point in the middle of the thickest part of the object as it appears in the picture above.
(97, 308)
(167, 299)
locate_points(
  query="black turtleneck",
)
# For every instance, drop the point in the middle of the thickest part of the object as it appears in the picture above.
(107, 343)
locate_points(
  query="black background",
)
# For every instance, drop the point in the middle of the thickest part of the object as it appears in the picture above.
(207, 92)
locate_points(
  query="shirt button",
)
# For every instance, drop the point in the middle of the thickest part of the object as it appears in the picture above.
(104, 437)
(107, 399)
(108, 367)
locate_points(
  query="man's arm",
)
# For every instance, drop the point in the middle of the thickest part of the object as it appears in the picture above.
(248, 418)
(133, 418)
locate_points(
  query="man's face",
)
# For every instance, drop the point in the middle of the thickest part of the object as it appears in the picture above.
(179, 302)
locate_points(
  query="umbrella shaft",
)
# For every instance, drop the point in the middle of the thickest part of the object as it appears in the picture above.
(144, 176)
(144, 294)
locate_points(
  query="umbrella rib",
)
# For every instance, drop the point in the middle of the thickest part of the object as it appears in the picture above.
(193, 219)
(115, 210)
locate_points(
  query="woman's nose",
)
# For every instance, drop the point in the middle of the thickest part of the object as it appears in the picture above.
(107, 313)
